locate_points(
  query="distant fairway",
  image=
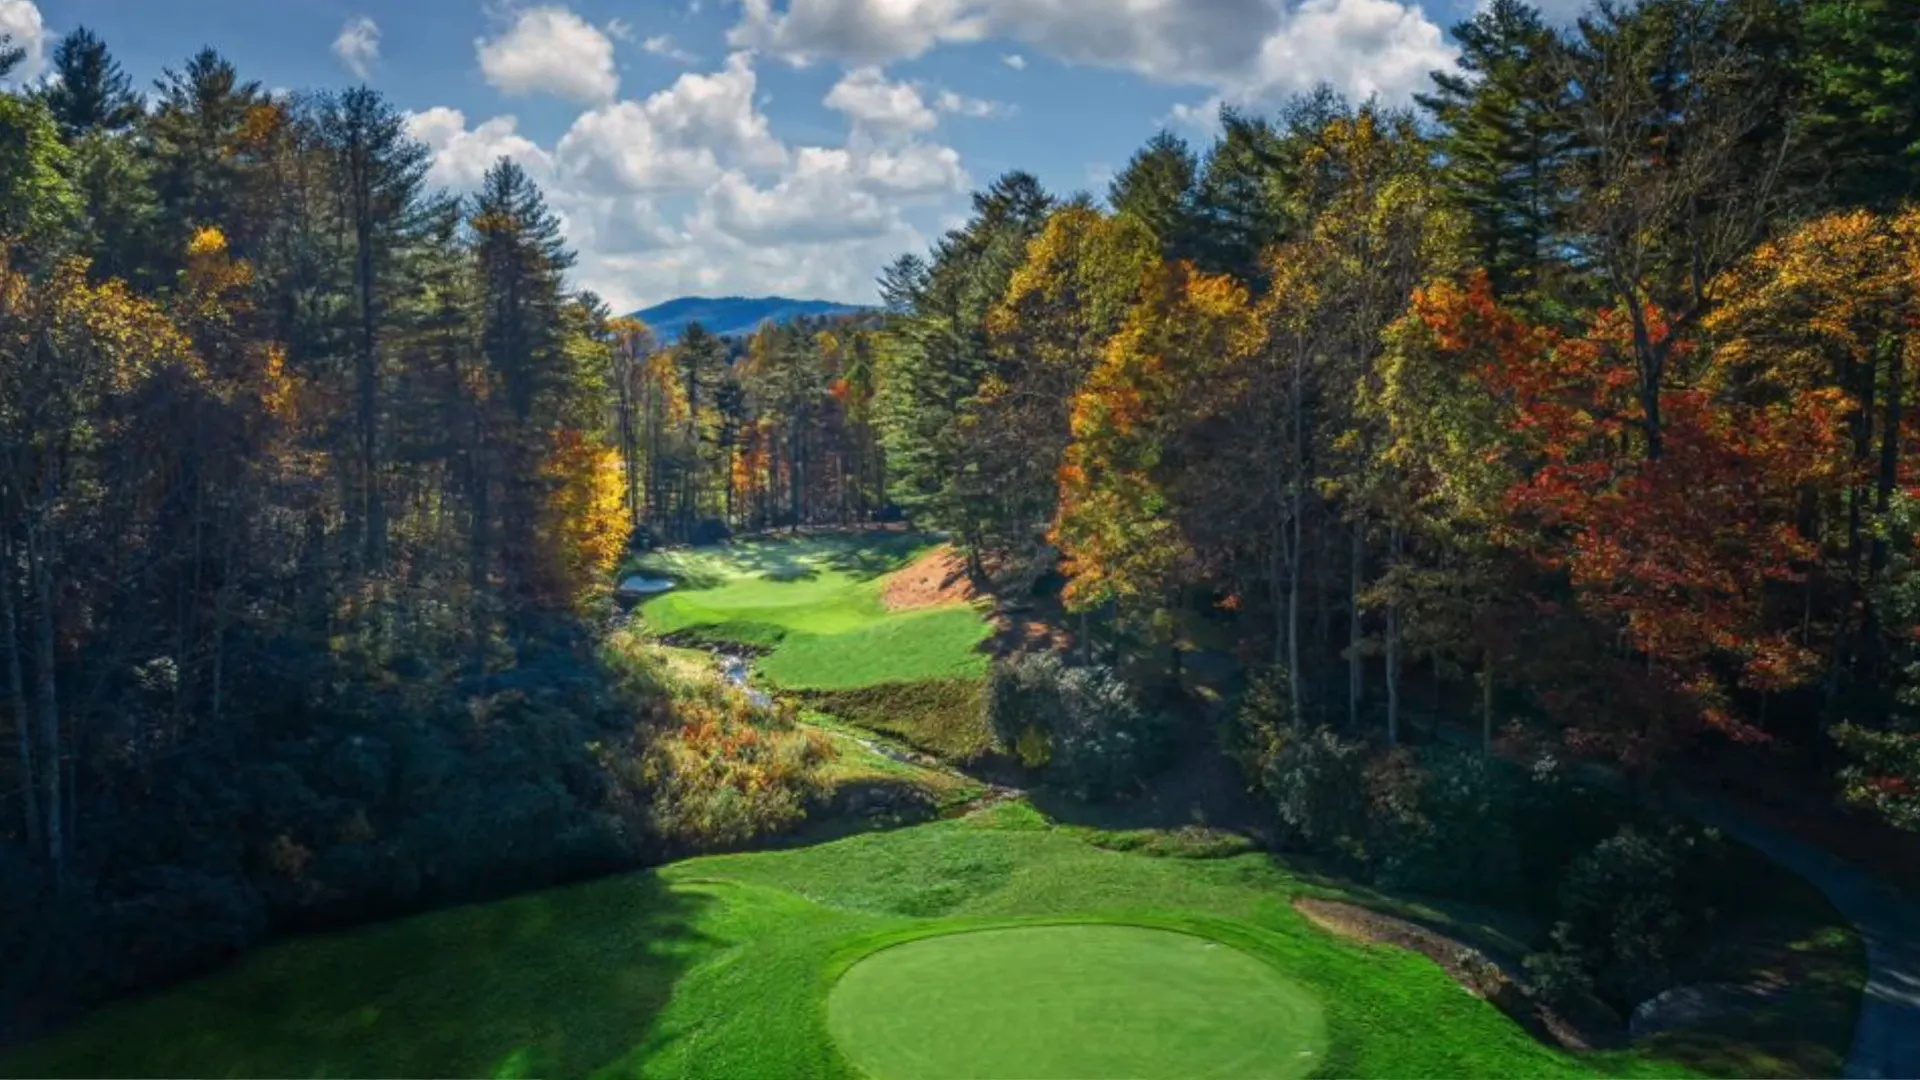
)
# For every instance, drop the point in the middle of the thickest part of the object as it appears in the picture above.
(815, 602)
(1061, 1002)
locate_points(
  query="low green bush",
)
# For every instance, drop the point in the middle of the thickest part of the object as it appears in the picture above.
(1079, 726)
(1318, 782)
(1490, 831)
(1630, 909)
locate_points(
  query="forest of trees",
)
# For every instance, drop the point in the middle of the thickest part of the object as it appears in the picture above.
(1579, 388)
(1576, 391)
(723, 434)
(307, 487)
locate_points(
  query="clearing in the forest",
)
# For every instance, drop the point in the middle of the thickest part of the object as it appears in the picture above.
(816, 606)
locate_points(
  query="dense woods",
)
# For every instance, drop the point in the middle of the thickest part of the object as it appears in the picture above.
(1569, 404)
(1576, 393)
(307, 489)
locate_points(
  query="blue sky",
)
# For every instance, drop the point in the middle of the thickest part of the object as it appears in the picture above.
(779, 146)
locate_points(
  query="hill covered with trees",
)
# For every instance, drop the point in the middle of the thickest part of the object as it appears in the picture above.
(732, 315)
(1560, 417)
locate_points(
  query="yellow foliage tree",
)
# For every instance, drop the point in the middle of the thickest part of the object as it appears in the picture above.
(584, 525)
(1133, 464)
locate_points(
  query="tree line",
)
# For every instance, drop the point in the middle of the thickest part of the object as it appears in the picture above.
(1581, 386)
(308, 484)
(773, 430)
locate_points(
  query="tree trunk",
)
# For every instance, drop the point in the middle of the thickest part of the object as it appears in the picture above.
(1294, 554)
(1355, 671)
(368, 362)
(1393, 648)
(1486, 706)
(1889, 452)
(1847, 626)
(47, 701)
(17, 702)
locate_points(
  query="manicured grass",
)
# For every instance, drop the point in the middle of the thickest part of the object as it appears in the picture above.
(938, 643)
(943, 716)
(815, 603)
(1068, 1001)
(723, 966)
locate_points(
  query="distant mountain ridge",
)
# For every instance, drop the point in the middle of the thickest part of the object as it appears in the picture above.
(730, 315)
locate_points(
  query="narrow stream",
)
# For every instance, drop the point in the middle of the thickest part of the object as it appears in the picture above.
(737, 670)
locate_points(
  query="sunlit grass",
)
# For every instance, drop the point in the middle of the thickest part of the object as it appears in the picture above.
(720, 967)
(815, 603)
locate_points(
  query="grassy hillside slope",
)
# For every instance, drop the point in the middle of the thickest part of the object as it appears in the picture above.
(719, 967)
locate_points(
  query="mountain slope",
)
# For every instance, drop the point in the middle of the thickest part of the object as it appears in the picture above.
(728, 315)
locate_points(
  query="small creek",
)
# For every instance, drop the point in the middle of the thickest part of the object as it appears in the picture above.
(738, 671)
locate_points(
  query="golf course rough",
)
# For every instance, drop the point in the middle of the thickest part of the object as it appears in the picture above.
(1062, 1002)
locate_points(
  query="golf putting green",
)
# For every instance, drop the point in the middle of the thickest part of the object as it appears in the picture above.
(1060, 1002)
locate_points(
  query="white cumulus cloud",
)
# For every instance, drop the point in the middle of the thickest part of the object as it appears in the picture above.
(550, 50)
(689, 190)
(873, 103)
(461, 156)
(917, 169)
(1364, 47)
(819, 200)
(663, 45)
(358, 46)
(962, 105)
(22, 26)
(1015, 61)
(1241, 49)
(678, 139)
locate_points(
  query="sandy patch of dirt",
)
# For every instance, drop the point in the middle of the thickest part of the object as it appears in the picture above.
(1477, 973)
(938, 578)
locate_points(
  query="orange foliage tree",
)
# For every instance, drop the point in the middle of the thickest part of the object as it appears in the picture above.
(1683, 554)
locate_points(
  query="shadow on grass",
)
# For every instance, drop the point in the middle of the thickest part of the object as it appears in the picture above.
(876, 554)
(862, 556)
(558, 983)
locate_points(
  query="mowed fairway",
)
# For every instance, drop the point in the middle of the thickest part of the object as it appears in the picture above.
(1140, 1002)
(726, 967)
(815, 603)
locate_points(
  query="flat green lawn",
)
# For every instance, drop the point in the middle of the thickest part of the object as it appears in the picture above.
(725, 966)
(815, 602)
(1140, 1003)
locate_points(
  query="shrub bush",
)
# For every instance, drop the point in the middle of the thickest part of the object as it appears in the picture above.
(1079, 725)
(361, 794)
(709, 531)
(717, 771)
(723, 780)
(1319, 784)
(1629, 909)
(1440, 821)
(1486, 830)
